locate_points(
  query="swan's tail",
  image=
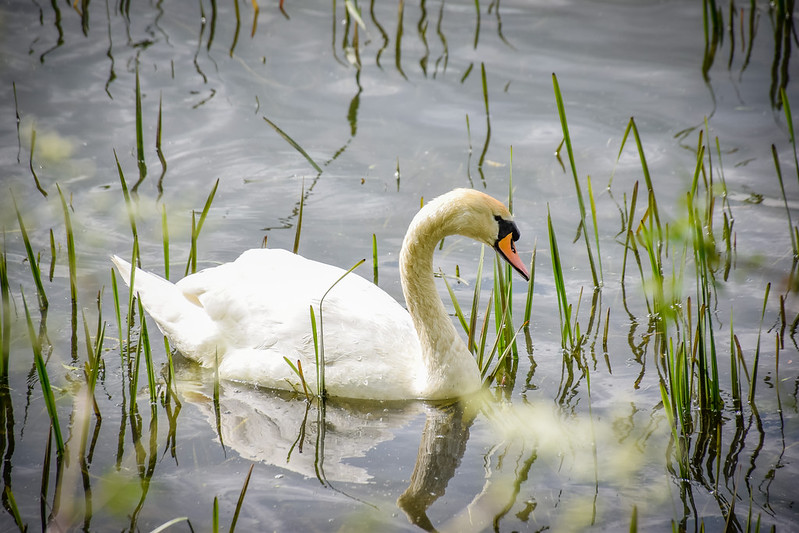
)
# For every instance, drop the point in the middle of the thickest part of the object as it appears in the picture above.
(182, 320)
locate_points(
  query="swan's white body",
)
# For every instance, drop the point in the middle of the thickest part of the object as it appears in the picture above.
(250, 314)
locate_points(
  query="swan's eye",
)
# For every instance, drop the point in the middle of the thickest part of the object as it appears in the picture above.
(506, 227)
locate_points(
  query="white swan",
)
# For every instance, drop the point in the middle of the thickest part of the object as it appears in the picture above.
(252, 312)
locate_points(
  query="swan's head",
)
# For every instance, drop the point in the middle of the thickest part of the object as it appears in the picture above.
(483, 218)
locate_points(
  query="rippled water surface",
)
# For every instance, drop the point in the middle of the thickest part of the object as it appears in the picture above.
(361, 117)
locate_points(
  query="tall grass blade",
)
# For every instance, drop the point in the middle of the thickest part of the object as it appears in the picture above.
(560, 286)
(456, 306)
(158, 150)
(592, 203)
(73, 276)
(488, 120)
(786, 107)
(294, 144)
(165, 238)
(144, 340)
(785, 200)
(528, 306)
(475, 302)
(298, 367)
(11, 504)
(753, 381)
(34, 265)
(52, 255)
(44, 381)
(195, 231)
(299, 220)
(667, 406)
(647, 176)
(320, 364)
(570, 151)
(117, 310)
(128, 203)
(508, 349)
(484, 335)
(139, 134)
(374, 258)
(215, 509)
(241, 500)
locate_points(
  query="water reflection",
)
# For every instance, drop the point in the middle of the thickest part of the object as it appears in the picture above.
(744, 23)
(441, 448)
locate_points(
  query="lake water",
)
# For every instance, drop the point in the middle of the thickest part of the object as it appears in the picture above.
(421, 98)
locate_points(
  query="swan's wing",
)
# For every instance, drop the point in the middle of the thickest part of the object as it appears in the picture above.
(179, 316)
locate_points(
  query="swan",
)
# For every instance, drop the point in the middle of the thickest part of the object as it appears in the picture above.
(247, 315)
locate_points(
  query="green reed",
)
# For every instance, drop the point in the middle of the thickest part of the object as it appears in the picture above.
(32, 262)
(528, 303)
(319, 339)
(94, 353)
(52, 255)
(503, 289)
(241, 500)
(71, 257)
(299, 221)
(128, 201)
(142, 165)
(756, 361)
(792, 230)
(11, 502)
(564, 307)
(297, 369)
(475, 309)
(196, 227)
(165, 240)
(159, 152)
(786, 107)
(215, 515)
(134, 262)
(580, 202)
(44, 380)
(374, 258)
(503, 306)
(293, 144)
(456, 305)
(144, 340)
(317, 358)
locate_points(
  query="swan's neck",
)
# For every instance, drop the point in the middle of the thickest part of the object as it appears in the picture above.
(450, 367)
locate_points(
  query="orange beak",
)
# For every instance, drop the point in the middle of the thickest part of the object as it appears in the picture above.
(507, 249)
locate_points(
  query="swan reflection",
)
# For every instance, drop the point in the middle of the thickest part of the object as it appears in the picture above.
(282, 430)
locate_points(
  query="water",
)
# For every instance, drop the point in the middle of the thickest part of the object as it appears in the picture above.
(406, 118)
